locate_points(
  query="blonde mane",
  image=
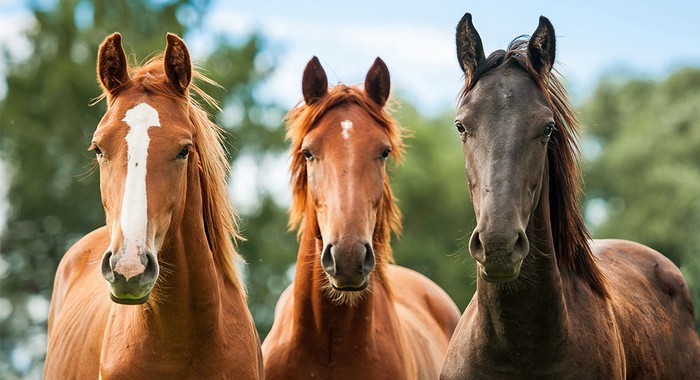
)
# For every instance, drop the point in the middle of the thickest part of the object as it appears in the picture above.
(302, 119)
(220, 218)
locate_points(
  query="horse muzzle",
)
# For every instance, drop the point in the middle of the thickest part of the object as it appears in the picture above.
(348, 267)
(499, 256)
(130, 278)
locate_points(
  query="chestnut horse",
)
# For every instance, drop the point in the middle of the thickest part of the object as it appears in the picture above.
(549, 302)
(350, 314)
(178, 307)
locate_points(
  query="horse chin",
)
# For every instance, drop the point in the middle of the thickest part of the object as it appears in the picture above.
(130, 301)
(134, 291)
(352, 288)
(130, 296)
(499, 277)
(349, 296)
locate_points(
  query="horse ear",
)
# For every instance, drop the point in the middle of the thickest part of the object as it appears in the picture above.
(470, 51)
(314, 84)
(112, 66)
(378, 82)
(542, 46)
(178, 66)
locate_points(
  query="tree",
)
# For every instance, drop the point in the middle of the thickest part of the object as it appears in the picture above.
(644, 173)
(432, 190)
(46, 127)
(54, 194)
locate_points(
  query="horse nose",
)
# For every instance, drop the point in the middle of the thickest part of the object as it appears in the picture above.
(150, 274)
(328, 261)
(485, 243)
(368, 262)
(106, 267)
(109, 267)
(348, 265)
(500, 253)
(131, 288)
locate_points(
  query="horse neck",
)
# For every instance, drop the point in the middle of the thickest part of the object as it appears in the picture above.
(324, 325)
(187, 297)
(528, 315)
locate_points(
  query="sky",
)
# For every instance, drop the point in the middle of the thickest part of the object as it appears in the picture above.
(416, 39)
(417, 42)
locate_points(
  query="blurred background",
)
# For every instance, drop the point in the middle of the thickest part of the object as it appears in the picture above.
(633, 73)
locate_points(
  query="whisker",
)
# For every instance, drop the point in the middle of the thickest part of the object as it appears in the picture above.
(90, 169)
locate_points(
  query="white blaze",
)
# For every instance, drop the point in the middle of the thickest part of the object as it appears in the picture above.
(346, 125)
(134, 218)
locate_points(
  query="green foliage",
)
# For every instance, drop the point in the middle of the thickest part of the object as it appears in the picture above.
(271, 252)
(54, 193)
(438, 219)
(648, 174)
(46, 128)
(255, 130)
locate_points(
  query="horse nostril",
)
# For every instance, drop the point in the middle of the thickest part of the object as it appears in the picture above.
(106, 267)
(521, 243)
(476, 248)
(328, 261)
(151, 271)
(368, 262)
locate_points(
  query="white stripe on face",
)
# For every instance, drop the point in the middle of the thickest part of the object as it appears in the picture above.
(134, 218)
(346, 125)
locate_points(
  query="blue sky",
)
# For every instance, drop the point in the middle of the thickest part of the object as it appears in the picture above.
(416, 39)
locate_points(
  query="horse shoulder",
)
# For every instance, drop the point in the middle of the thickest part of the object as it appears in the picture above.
(82, 259)
(426, 311)
(460, 351)
(626, 263)
(434, 301)
(78, 314)
(653, 308)
(239, 329)
(277, 343)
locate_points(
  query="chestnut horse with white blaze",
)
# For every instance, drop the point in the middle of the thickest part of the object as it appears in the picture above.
(350, 313)
(155, 293)
(550, 303)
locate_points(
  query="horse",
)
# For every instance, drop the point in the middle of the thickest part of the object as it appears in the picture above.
(350, 313)
(551, 303)
(176, 306)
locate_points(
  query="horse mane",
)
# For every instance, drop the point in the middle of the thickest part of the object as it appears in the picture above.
(302, 119)
(570, 234)
(220, 218)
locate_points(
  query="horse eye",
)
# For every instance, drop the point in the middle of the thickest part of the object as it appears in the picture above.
(385, 153)
(307, 154)
(460, 127)
(547, 131)
(183, 153)
(96, 149)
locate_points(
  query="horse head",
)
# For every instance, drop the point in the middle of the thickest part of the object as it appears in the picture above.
(144, 147)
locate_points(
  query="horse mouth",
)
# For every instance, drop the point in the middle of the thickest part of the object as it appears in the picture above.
(351, 288)
(130, 301)
(347, 294)
(129, 292)
(499, 277)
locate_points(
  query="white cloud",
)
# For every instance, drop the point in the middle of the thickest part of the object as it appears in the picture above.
(420, 58)
(13, 25)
